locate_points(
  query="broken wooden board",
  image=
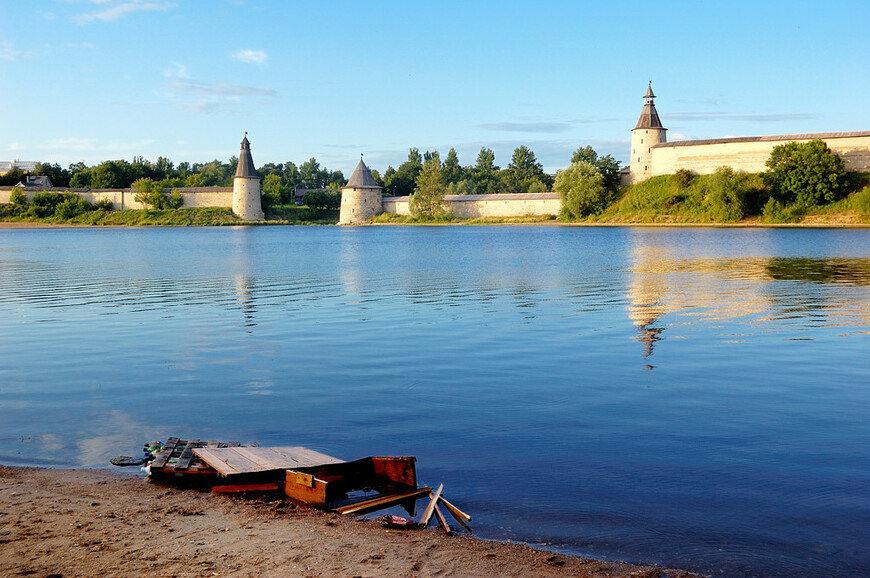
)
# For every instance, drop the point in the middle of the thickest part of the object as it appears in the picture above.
(177, 458)
(250, 460)
(381, 502)
(430, 509)
(326, 484)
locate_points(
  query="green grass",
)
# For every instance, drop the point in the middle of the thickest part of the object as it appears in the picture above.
(301, 215)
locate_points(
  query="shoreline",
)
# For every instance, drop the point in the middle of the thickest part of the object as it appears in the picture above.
(92, 522)
(741, 225)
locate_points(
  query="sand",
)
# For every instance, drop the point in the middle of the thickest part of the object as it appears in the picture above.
(99, 523)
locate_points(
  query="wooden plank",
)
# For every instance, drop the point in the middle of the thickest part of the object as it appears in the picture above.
(233, 488)
(311, 491)
(430, 509)
(442, 521)
(381, 502)
(239, 460)
(456, 516)
(163, 455)
(187, 455)
(457, 513)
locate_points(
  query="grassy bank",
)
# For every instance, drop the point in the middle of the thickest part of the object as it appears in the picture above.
(183, 217)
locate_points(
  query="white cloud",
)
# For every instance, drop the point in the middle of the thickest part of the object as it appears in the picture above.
(118, 10)
(251, 56)
(178, 70)
(7, 51)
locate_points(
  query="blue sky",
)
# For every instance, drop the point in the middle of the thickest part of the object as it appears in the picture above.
(93, 80)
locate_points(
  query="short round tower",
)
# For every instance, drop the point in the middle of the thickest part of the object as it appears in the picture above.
(246, 187)
(361, 197)
(648, 132)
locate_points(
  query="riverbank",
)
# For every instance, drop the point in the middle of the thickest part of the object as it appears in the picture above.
(93, 522)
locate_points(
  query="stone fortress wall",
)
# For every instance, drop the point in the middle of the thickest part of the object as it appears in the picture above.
(195, 197)
(502, 205)
(749, 154)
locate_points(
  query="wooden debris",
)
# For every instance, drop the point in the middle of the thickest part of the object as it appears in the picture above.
(442, 521)
(381, 502)
(430, 509)
(236, 488)
(457, 513)
(230, 461)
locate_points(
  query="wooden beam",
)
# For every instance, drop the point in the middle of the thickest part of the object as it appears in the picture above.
(456, 517)
(457, 513)
(381, 502)
(430, 509)
(442, 521)
(230, 489)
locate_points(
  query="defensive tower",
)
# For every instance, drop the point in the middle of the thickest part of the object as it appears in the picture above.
(246, 187)
(648, 132)
(361, 197)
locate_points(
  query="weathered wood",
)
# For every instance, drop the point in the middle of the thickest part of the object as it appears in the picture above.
(234, 488)
(162, 456)
(187, 455)
(456, 512)
(245, 460)
(381, 502)
(442, 521)
(311, 491)
(456, 517)
(430, 509)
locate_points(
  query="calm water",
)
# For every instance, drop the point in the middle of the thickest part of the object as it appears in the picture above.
(697, 398)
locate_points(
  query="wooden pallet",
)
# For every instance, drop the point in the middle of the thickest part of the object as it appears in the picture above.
(177, 457)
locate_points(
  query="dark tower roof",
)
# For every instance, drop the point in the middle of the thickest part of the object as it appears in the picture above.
(245, 167)
(649, 116)
(362, 178)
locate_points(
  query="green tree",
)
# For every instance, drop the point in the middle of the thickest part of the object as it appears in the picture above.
(452, 170)
(606, 165)
(485, 173)
(581, 190)
(805, 174)
(17, 197)
(272, 190)
(402, 182)
(427, 202)
(59, 177)
(523, 172)
(312, 176)
(727, 195)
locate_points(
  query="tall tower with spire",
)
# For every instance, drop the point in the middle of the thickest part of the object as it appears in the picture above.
(648, 132)
(246, 187)
(361, 197)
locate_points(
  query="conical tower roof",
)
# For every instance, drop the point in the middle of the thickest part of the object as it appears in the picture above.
(649, 116)
(362, 178)
(245, 167)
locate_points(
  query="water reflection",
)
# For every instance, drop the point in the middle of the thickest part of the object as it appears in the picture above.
(665, 290)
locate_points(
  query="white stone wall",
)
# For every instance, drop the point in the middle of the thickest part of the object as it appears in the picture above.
(358, 205)
(246, 199)
(125, 198)
(749, 156)
(497, 206)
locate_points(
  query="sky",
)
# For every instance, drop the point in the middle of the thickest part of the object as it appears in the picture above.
(96, 80)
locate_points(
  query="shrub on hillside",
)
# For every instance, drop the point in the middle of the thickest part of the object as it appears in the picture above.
(18, 197)
(861, 201)
(71, 207)
(581, 190)
(805, 174)
(727, 194)
(683, 178)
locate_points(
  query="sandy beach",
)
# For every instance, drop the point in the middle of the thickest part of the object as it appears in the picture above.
(94, 522)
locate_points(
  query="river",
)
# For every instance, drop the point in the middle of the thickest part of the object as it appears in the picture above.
(693, 397)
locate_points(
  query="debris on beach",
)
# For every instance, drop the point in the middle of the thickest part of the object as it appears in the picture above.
(302, 475)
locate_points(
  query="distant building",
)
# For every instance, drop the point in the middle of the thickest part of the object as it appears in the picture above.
(246, 187)
(35, 182)
(26, 166)
(361, 197)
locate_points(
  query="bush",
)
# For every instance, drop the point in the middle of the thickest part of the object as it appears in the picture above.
(683, 178)
(581, 190)
(49, 200)
(71, 207)
(174, 200)
(805, 174)
(861, 201)
(775, 212)
(322, 199)
(104, 205)
(727, 196)
(18, 198)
